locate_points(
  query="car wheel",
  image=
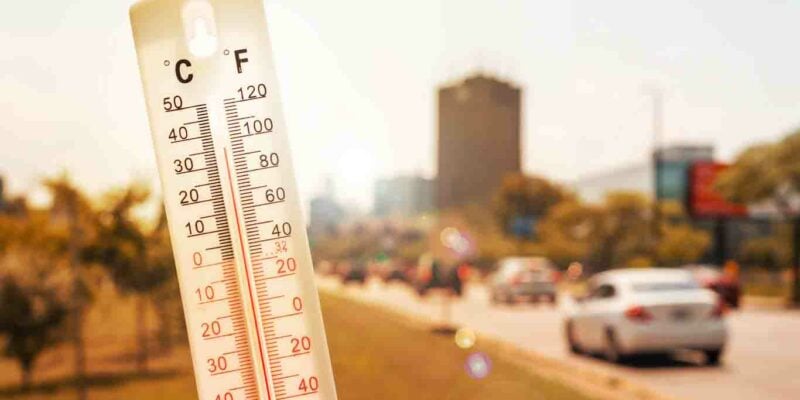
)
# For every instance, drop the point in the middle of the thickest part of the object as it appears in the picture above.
(612, 352)
(713, 356)
(574, 348)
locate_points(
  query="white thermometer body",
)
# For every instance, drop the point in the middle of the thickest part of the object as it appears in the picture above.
(241, 251)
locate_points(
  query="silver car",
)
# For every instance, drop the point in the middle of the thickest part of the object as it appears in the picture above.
(638, 311)
(523, 278)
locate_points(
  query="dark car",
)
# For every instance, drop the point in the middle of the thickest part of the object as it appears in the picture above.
(356, 273)
(434, 274)
(395, 271)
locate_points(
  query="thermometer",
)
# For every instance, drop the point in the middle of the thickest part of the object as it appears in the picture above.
(241, 251)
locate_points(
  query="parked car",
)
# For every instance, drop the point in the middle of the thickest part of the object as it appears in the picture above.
(639, 311)
(433, 274)
(394, 271)
(726, 285)
(355, 272)
(529, 278)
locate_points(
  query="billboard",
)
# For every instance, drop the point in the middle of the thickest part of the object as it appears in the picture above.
(703, 200)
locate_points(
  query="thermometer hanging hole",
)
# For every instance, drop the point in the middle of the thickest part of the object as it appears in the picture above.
(200, 28)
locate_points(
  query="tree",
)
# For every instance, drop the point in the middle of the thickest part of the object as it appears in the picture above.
(681, 244)
(167, 293)
(618, 233)
(73, 220)
(525, 197)
(625, 230)
(570, 232)
(769, 171)
(753, 176)
(765, 252)
(123, 252)
(33, 297)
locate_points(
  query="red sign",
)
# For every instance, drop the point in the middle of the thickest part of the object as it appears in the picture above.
(704, 200)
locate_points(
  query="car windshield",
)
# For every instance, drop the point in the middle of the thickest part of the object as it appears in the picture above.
(664, 286)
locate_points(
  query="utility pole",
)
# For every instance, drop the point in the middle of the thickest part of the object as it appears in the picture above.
(657, 97)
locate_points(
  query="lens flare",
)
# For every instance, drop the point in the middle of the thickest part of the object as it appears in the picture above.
(456, 241)
(465, 338)
(478, 365)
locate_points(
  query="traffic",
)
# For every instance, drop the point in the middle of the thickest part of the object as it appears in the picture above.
(666, 329)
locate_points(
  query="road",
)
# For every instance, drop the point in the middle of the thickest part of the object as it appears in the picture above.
(762, 360)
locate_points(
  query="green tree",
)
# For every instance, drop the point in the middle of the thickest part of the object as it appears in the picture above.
(525, 196)
(765, 252)
(570, 232)
(679, 243)
(625, 231)
(769, 171)
(123, 252)
(72, 221)
(753, 176)
(166, 294)
(618, 232)
(34, 289)
(31, 318)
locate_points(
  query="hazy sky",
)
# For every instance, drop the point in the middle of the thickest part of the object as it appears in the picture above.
(359, 79)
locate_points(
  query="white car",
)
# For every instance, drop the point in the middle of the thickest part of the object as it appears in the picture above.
(523, 277)
(640, 311)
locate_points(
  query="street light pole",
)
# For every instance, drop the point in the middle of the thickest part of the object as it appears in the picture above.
(658, 135)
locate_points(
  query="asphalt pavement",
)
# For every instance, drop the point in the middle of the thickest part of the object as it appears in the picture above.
(762, 360)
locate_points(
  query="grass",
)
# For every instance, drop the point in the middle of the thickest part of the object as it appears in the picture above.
(394, 358)
(376, 354)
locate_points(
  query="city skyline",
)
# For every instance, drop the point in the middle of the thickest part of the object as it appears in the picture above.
(360, 107)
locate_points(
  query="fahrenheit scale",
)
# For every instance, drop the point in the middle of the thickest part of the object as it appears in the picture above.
(241, 250)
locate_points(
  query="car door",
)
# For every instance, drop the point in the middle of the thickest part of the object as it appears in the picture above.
(580, 317)
(598, 309)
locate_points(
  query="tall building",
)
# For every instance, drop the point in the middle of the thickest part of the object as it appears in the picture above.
(479, 140)
(325, 212)
(404, 196)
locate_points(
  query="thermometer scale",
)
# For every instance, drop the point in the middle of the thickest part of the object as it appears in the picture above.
(239, 240)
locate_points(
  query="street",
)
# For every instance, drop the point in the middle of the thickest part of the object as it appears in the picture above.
(760, 362)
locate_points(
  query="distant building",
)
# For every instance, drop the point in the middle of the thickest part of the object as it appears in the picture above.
(325, 213)
(674, 164)
(635, 177)
(403, 196)
(479, 139)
